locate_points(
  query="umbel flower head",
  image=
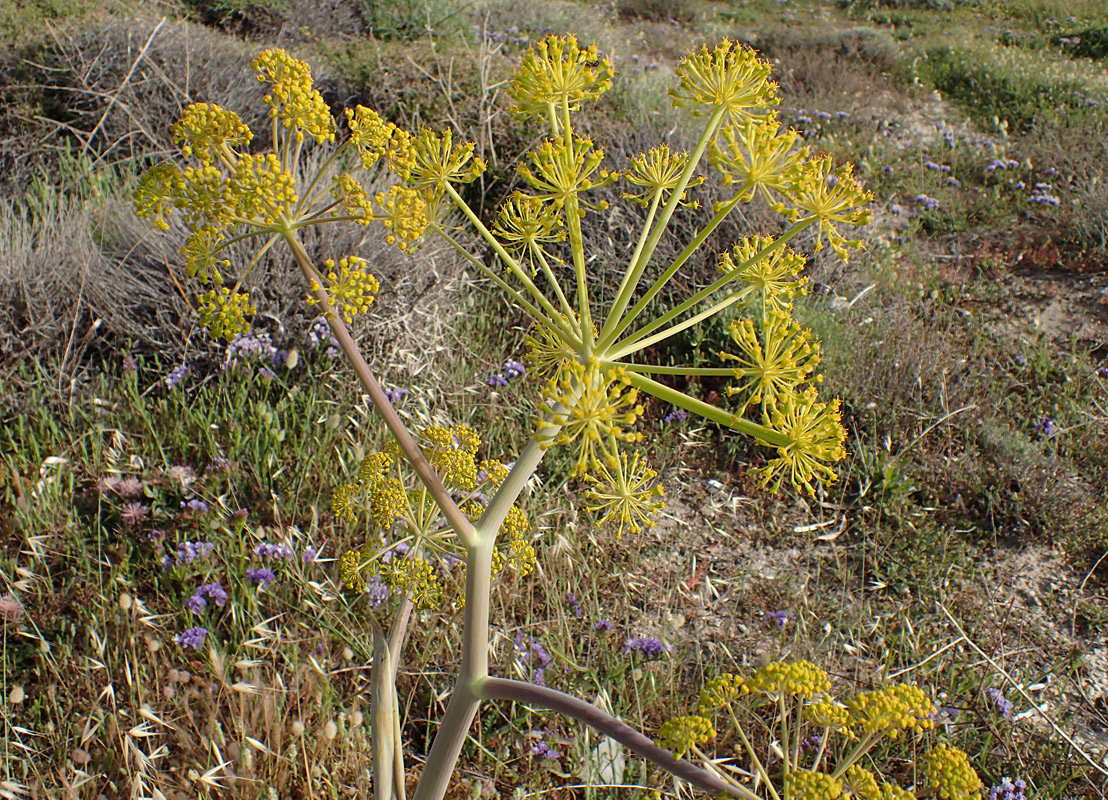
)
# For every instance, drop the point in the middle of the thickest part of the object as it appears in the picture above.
(950, 774)
(657, 173)
(556, 75)
(624, 493)
(773, 364)
(731, 79)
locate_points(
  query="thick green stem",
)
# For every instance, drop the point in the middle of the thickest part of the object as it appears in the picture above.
(408, 447)
(637, 742)
(383, 699)
(642, 344)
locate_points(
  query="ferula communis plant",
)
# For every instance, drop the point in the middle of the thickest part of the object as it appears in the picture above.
(449, 505)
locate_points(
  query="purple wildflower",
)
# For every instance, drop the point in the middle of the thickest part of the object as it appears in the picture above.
(219, 464)
(647, 645)
(779, 618)
(929, 203)
(129, 365)
(1020, 361)
(197, 505)
(544, 750)
(604, 625)
(269, 552)
(187, 552)
(193, 637)
(308, 555)
(526, 646)
(133, 514)
(267, 373)
(1008, 789)
(514, 369)
(1046, 426)
(377, 590)
(396, 394)
(896, 209)
(571, 598)
(213, 590)
(263, 576)
(677, 415)
(1003, 705)
(175, 376)
(496, 379)
(196, 603)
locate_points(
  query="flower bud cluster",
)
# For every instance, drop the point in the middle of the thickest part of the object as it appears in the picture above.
(682, 734)
(950, 775)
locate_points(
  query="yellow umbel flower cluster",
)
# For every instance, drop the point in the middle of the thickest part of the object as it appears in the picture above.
(773, 273)
(209, 133)
(292, 99)
(860, 783)
(682, 734)
(202, 259)
(562, 168)
(830, 195)
(403, 212)
(438, 162)
(624, 493)
(721, 691)
(414, 576)
(657, 173)
(817, 441)
(892, 710)
(350, 287)
(802, 784)
(798, 678)
(759, 157)
(950, 774)
(593, 407)
(556, 75)
(775, 364)
(525, 225)
(827, 714)
(730, 78)
(223, 312)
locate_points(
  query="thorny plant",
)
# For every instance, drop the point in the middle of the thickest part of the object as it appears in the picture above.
(439, 505)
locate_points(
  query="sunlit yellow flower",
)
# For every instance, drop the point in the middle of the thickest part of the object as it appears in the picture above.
(451, 452)
(204, 198)
(350, 287)
(731, 77)
(374, 466)
(800, 678)
(860, 783)
(950, 774)
(495, 472)
(593, 407)
(721, 691)
(556, 74)
(658, 172)
(773, 364)
(817, 441)
(344, 500)
(201, 251)
(439, 162)
(759, 156)
(260, 187)
(352, 198)
(157, 191)
(773, 276)
(682, 734)
(548, 350)
(803, 784)
(403, 212)
(414, 576)
(293, 101)
(892, 710)
(890, 791)
(207, 132)
(350, 571)
(827, 714)
(624, 493)
(830, 196)
(524, 225)
(558, 170)
(223, 312)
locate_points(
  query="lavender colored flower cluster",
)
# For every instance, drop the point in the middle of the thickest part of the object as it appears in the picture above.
(393, 395)
(262, 576)
(542, 749)
(604, 625)
(319, 334)
(526, 646)
(253, 348)
(196, 505)
(928, 203)
(267, 551)
(1003, 705)
(193, 637)
(647, 645)
(677, 415)
(1000, 163)
(1041, 194)
(1008, 789)
(176, 374)
(188, 552)
(1046, 426)
(779, 618)
(377, 590)
(937, 167)
(197, 602)
(571, 598)
(512, 370)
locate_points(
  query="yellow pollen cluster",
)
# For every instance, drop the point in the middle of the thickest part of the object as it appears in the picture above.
(223, 312)
(774, 365)
(403, 213)
(374, 466)
(558, 170)
(524, 224)
(352, 198)
(261, 187)
(344, 502)
(157, 189)
(773, 275)
(731, 77)
(830, 195)
(205, 198)
(369, 133)
(495, 472)
(892, 710)
(890, 791)
(451, 451)
(860, 783)
(593, 407)
(201, 251)
(387, 500)
(682, 734)
(350, 571)
(437, 162)
(950, 774)
(624, 493)
(415, 576)
(350, 288)
(556, 75)
(799, 678)
(802, 784)
(829, 715)
(721, 691)
(657, 172)
(547, 350)
(758, 156)
(817, 438)
(293, 101)
(210, 133)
